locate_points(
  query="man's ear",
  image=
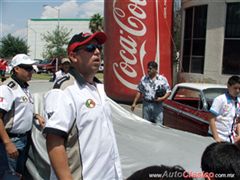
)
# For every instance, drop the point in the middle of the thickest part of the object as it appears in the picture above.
(72, 57)
(16, 69)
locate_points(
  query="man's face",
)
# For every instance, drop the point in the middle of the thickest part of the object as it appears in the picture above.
(66, 67)
(151, 71)
(234, 90)
(88, 58)
(24, 72)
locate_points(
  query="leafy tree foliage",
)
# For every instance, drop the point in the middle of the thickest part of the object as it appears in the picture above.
(56, 43)
(96, 23)
(10, 46)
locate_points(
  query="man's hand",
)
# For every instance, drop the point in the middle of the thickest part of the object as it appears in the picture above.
(237, 140)
(11, 150)
(40, 119)
(159, 99)
(218, 139)
(133, 107)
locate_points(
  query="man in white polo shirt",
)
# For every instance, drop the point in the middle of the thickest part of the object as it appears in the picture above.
(224, 124)
(16, 114)
(80, 138)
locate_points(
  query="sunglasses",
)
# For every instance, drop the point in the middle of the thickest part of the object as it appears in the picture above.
(26, 67)
(92, 47)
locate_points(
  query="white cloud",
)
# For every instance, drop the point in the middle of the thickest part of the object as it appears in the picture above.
(11, 29)
(90, 8)
(6, 28)
(22, 33)
(73, 9)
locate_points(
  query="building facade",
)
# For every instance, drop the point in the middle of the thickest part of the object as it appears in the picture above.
(210, 43)
(38, 27)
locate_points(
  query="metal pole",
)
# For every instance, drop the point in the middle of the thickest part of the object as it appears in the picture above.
(58, 10)
(58, 28)
(58, 17)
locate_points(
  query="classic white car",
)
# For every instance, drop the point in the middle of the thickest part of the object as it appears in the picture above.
(187, 108)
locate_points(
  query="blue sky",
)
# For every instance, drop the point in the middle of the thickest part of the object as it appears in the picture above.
(14, 14)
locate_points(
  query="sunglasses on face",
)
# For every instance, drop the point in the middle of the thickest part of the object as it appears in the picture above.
(92, 47)
(26, 68)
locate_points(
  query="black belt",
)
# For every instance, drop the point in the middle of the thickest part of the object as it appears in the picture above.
(13, 135)
(149, 101)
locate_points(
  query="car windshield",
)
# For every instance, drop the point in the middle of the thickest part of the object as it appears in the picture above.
(212, 93)
(45, 61)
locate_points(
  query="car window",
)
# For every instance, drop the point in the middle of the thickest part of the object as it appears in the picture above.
(188, 97)
(212, 93)
(45, 61)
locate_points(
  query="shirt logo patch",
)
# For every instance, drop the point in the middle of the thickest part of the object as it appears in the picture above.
(50, 114)
(226, 108)
(24, 99)
(90, 103)
(1, 99)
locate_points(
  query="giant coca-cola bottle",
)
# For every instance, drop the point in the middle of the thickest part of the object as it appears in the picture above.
(138, 31)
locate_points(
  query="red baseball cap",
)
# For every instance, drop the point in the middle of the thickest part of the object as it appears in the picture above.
(84, 38)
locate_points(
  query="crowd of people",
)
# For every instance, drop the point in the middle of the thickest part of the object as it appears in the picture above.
(77, 122)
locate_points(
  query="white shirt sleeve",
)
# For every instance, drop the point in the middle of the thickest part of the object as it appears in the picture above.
(58, 110)
(216, 106)
(6, 97)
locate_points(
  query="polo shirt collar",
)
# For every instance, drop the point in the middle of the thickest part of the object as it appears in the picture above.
(230, 99)
(157, 77)
(21, 83)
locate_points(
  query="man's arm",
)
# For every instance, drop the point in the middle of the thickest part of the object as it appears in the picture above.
(237, 138)
(159, 99)
(9, 146)
(58, 156)
(213, 128)
(135, 101)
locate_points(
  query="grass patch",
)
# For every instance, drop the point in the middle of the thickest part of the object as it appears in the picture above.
(100, 76)
(45, 76)
(42, 76)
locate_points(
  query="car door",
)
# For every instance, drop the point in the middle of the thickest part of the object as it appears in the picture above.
(184, 111)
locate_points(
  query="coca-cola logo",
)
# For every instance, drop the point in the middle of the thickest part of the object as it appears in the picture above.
(131, 27)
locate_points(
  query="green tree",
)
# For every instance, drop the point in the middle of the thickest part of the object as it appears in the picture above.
(96, 23)
(56, 42)
(10, 46)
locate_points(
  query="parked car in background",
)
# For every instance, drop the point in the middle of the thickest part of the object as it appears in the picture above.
(187, 108)
(38, 60)
(47, 66)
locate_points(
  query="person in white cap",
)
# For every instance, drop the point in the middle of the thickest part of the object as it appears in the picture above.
(65, 66)
(17, 114)
(80, 139)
